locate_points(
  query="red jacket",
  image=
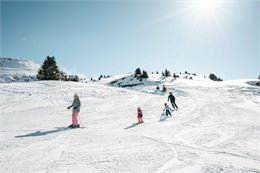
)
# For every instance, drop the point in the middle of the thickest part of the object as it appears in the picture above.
(139, 113)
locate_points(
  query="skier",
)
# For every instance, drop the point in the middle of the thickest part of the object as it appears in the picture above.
(172, 99)
(167, 109)
(75, 111)
(139, 115)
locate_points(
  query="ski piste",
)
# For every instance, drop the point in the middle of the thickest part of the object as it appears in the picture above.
(204, 135)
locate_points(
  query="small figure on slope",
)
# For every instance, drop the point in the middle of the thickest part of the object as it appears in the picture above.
(167, 110)
(139, 115)
(75, 111)
(171, 98)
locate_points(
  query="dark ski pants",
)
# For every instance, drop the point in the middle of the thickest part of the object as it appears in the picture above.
(168, 113)
(174, 104)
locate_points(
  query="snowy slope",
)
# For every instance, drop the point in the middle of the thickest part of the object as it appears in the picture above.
(216, 129)
(12, 69)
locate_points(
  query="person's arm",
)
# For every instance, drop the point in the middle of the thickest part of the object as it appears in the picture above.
(69, 106)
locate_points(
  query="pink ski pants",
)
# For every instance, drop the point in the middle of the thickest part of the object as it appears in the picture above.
(75, 118)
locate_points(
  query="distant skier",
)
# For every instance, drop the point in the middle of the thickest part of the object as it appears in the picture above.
(172, 99)
(167, 109)
(75, 111)
(139, 115)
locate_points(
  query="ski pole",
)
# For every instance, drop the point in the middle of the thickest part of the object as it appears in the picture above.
(80, 121)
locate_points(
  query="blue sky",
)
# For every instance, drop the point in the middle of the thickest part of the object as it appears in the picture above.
(115, 37)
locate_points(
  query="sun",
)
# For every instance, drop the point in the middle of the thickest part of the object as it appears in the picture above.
(206, 7)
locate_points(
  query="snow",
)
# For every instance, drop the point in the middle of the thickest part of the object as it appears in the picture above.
(216, 129)
(19, 70)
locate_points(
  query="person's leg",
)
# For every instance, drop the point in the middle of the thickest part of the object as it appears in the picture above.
(73, 118)
(173, 105)
(76, 118)
(141, 120)
(167, 113)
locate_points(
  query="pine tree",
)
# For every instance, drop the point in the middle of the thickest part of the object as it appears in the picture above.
(63, 76)
(213, 77)
(163, 74)
(144, 75)
(167, 73)
(49, 70)
(137, 72)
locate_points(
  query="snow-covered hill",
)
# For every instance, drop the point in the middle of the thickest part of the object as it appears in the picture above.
(216, 129)
(129, 80)
(12, 69)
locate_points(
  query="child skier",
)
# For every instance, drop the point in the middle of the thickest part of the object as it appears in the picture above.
(75, 111)
(167, 109)
(139, 115)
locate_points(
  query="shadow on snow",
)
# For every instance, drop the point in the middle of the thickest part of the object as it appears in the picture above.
(131, 126)
(42, 133)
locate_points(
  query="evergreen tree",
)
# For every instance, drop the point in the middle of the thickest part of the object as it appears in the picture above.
(137, 73)
(167, 73)
(213, 77)
(175, 76)
(76, 78)
(144, 75)
(63, 76)
(163, 74)
(49, 70)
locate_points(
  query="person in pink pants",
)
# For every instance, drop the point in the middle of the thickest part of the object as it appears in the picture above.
(75, 111)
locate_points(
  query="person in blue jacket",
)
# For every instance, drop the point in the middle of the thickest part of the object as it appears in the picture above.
(167, 110)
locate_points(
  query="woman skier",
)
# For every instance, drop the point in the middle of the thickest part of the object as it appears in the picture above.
(167, 109)
(139, 115)
(75, 111)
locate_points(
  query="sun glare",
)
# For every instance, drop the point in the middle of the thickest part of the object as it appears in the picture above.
(206, 7)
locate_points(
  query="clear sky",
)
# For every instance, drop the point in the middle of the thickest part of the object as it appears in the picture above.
(115, 37)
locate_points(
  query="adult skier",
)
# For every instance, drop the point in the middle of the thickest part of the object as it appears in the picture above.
(75, 111)
(172, 100)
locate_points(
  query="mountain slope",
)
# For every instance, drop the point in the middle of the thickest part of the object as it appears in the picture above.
(12, 69)
(216, 128)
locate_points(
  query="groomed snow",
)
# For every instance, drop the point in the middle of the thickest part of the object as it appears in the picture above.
(216, 129)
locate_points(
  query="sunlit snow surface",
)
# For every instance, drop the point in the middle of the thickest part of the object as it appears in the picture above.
(216, 129)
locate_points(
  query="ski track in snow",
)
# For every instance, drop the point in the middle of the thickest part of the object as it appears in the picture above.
(216, 129)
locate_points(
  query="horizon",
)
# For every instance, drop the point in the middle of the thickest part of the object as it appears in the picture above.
(116, 37)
